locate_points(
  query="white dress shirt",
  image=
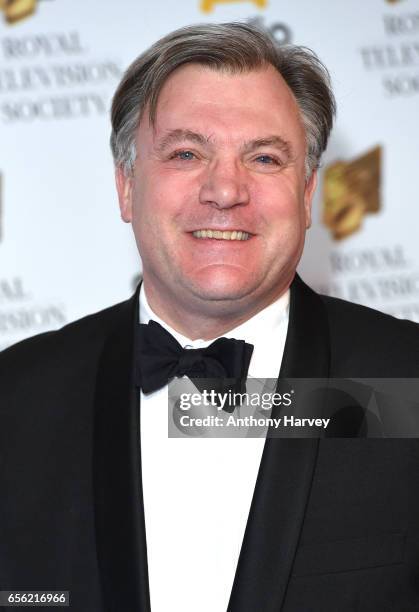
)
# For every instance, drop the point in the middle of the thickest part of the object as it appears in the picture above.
(197, 492)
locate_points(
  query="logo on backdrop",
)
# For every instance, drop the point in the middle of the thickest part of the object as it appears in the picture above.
(351, 190)
(281, 32)
(16, 10)
(394, 58)
(23, 315)
(208, 5)
(53, 76)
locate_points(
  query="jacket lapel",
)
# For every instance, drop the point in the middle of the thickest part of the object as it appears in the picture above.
(286, 472)
(119, 512)
(281, 491)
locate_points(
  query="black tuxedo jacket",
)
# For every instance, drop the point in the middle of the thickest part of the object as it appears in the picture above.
(334, 523)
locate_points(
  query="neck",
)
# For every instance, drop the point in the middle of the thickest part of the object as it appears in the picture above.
(195, 322)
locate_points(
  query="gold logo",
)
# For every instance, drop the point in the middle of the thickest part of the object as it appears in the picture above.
(15, 10)
(208, 5)
(350, 191)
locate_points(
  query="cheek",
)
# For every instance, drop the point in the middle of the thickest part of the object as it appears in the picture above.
(286, 223)
(280, 191)
(161, 198)
(145, 218)
(147, 206)
(283, 209)
(155, 224)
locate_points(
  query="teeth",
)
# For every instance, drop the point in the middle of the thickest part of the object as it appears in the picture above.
(219, 235)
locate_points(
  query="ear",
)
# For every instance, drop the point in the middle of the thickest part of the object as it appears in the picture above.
(124, 189)
(310, 188)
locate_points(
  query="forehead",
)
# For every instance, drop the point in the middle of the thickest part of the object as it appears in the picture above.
(224, 105)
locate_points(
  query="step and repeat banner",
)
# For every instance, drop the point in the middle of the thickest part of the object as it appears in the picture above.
(64, 252)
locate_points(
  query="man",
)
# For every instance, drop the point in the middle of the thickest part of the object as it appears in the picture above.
(217, 136)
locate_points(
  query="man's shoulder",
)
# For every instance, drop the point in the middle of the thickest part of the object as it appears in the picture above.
(349, 314)
(76, 341)
(360, 332)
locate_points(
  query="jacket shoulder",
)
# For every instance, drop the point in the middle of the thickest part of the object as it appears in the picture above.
(373, 338)
(76, 341)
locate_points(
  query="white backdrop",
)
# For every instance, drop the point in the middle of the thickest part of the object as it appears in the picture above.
(64, 251)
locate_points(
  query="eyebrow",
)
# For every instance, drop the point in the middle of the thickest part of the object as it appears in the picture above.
(181, 135)
(269, 141)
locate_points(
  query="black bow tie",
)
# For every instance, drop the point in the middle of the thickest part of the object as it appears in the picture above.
(161, 358)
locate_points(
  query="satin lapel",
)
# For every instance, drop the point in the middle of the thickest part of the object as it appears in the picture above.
(307, 347)
(119, 513)
(285, 474)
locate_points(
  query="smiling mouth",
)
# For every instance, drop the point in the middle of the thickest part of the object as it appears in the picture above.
(222, 235)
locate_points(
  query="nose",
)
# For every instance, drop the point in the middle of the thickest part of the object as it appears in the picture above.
(224, 186)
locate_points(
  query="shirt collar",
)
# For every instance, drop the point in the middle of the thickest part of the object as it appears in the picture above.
(266, 330)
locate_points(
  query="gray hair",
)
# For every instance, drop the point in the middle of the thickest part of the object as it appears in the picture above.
(234, 48)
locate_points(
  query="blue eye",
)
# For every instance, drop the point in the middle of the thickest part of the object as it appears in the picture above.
(186, 155)
(266, 159)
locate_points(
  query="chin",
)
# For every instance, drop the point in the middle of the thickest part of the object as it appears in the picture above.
(222, 285)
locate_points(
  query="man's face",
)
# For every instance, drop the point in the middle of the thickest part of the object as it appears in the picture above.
(226, 154)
